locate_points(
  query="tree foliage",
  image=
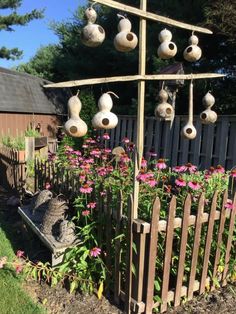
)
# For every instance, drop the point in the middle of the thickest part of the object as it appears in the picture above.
(8, 21)
(70, 59)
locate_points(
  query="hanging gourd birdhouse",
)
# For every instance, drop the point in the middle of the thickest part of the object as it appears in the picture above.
(193, 52)
(92, 35)
(189, 131)
(167, 48)
(75, 126)
(208, 116)
(125, 40)
(164, 110)
(105, 119)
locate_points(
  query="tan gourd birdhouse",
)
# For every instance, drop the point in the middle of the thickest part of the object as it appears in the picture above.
(92, 35)
(125, 40)
(105, 119)
(167, 48)
(164, 110)
(75, 126)
(208, 116)
(193, 52)
(189, 131)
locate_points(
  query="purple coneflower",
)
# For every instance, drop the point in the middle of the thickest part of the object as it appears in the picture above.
(191, 168)
(180, 182)
(125, 140)
(233, 173)
(194, 185)
(85, 212)
(161, 164)
(143, 163)
(95, 251)
(106, 136)
(91, 205)
(86, 189)
(219, 169)
(229, 204)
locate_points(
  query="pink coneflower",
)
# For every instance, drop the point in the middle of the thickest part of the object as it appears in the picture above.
(207, 176)
(142, 176)
(85, 146)
(101, 171)
(95, 152)
(68, 149)
(131, 147)
(47, 186)
(180, 182)
(106, 136)
(219, 169)
(85, 212)
(76, 152)
(161, 164)
(3, 261)
(229, 204)
(110, 169)
(144, 163)
(189, 167)
(20, 253)
(151, 182)
(18, 268)
(91, 205)
(124, 158)
(89, 160)
(125, 140)
(233, 173)
(90, 141)
(86, 189)
(103, 193)
(107, 150)
(194, 185)
(95, 252)
(178, 169)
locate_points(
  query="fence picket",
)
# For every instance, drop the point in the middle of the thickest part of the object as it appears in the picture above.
(168, 254)
(208, 243)
(197, 237)
(229, 241)
(183, 247)
(152, 255)
(117, 272)
(219, 240)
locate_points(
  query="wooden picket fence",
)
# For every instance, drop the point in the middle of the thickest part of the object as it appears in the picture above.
(215, 144)
(211, 230)
(12, 168)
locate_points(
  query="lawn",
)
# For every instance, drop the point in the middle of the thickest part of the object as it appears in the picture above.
(13, 298)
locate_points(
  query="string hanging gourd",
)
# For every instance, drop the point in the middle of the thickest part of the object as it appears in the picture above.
(208, 116)
(167, 48)
(92, 35)
(189, 131)
(125, 40)
(75, 126)
(105, 119)
(164, 110)
(193, 52)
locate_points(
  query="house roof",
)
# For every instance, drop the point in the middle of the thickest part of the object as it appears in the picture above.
(24, 93)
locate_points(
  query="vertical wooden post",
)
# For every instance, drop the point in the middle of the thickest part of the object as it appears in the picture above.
(141, 103)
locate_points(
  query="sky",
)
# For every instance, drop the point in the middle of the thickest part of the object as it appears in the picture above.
(37, 33)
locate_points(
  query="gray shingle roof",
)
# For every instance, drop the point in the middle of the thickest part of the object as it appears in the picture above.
(21, 92)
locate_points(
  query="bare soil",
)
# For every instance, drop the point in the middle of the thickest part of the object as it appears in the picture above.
(57, 300)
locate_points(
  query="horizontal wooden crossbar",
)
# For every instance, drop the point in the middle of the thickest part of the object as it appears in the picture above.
(129, 78)
(152, 16)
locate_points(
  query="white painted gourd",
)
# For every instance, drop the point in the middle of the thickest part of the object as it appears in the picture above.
(189, 131)
(75, 126)
(125, 40)
(208, 116)
(92, 35)
(164, 110)
(105, 119)
(193, 52)
(167, 49)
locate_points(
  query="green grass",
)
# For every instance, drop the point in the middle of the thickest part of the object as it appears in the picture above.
(13, 299)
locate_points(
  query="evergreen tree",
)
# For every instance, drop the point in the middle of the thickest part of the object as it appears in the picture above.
(8, 21)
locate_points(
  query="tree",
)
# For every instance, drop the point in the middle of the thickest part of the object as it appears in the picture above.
(8, 21)
(71, 60)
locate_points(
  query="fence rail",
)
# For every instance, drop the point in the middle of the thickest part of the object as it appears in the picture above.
(215, 144)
